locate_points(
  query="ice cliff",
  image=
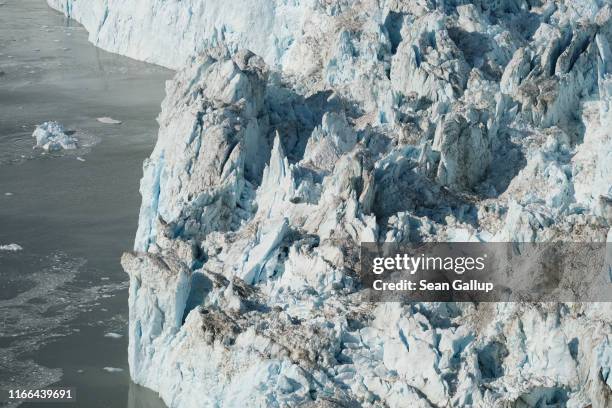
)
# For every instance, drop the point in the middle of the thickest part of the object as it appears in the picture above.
(294, 130)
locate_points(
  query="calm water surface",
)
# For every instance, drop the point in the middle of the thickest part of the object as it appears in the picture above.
(73, 213)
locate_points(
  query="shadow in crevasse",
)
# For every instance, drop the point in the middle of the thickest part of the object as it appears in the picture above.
(491, 360)
(420, 197)
(542, 397)
(199, 286)
(508, 160)
(393, 25)
(526, 22)
(513, 15)
(473, 44)
(295, 116)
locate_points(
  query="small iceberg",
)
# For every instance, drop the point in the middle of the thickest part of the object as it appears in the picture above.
(11, 247)
(51, 136)
(113, 369)
(109, 121)
(113, 335)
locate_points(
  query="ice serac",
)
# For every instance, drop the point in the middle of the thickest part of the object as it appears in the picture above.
(293, 131)
(210, 152)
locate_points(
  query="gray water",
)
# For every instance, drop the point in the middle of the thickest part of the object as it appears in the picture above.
(73, 213)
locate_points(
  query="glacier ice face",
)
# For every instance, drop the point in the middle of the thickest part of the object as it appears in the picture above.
(169, 32)
(359, 121)
(51, 137)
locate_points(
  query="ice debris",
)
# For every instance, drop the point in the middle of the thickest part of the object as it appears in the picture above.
(51, 136)
(109, 121)
(11, 247)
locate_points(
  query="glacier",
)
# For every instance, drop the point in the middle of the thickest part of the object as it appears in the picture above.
(296, 129)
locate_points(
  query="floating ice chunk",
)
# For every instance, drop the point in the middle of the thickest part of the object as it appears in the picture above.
(8, 194)
(113, 369)
(79, 158)
(109, 121)
(11, 247)
(112, 335)
(51, 137)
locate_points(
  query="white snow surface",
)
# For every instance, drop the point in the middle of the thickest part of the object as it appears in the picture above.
(353, 121)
